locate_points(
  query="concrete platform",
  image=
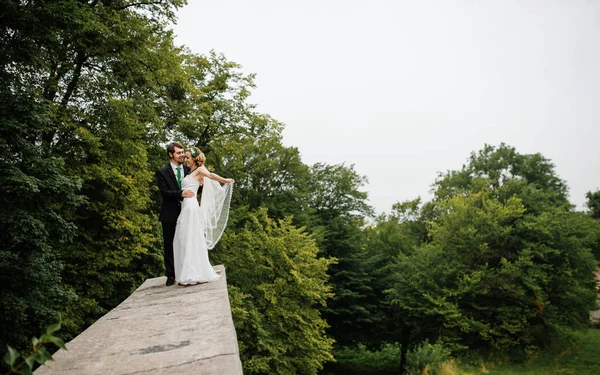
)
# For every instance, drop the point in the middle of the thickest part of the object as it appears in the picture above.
(158, 330)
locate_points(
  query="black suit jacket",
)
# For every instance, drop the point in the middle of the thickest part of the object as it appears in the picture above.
(170, 192)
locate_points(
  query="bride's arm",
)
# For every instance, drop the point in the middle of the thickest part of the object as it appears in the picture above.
(213, 176)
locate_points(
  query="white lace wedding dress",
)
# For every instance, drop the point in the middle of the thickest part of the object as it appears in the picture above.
(199, 229)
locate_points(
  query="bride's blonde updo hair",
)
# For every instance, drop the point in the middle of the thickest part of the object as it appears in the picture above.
(197, 156)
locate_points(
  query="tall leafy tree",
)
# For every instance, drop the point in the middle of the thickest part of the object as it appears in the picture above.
(100, 76)
(507, 260)
(593, 203)
(340, 208)
(37, 200)
(38, 192)
(268, 174)
(216, 102)
(276, 283)
(116, 114)
(507, 173)
(393, 237)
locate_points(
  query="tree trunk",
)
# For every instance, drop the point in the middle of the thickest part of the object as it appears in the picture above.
(52, 83)
(404, 341)
(81, 57)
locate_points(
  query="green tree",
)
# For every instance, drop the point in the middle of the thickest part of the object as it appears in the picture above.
(38, 193)
(215, 103)
(393, 237)
(94, 81)
(593, 203)
(507, 173)
(276, 282)
(507, 260)
(115, 115)
(340, 209)
(36, 204)
(267, 173)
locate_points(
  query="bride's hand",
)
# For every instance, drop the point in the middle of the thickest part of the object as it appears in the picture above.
(187, 194)
(229, 180)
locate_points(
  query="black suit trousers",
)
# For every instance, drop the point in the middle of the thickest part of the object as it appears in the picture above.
(168, 237)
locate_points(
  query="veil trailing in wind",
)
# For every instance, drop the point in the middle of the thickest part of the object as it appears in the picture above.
(214, 210)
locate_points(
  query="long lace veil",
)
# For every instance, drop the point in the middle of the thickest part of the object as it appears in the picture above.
(214, 209)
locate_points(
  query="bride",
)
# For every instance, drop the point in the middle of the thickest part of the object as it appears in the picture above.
(199, 227)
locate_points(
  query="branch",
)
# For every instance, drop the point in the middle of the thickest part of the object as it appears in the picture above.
(140, 3)
(51, 84)
(79, 61)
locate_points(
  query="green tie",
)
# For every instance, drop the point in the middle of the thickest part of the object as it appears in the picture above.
(179, 176)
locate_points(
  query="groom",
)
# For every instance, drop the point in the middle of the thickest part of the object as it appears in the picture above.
(168, 179)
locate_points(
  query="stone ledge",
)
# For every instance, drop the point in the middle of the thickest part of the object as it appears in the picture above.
(158, 330)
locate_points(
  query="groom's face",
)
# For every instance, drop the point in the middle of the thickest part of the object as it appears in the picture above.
(178, 156)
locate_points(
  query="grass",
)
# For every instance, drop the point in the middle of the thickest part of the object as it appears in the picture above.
(582, 357)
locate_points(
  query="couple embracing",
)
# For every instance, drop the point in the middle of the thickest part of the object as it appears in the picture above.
(190, 229)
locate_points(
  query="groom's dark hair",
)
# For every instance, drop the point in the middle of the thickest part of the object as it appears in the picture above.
(171, 148)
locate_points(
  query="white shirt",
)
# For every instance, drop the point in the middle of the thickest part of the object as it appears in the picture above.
(174, 168)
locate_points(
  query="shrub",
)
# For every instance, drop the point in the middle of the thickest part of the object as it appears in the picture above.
(426, 356)
(360, 360)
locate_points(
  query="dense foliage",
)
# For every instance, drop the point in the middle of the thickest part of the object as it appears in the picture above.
(91, 92)
(275, 281)
(498, 260)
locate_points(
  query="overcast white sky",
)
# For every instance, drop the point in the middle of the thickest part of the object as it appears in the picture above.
(406, 89)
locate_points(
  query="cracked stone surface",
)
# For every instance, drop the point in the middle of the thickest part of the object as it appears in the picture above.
(158, 330)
